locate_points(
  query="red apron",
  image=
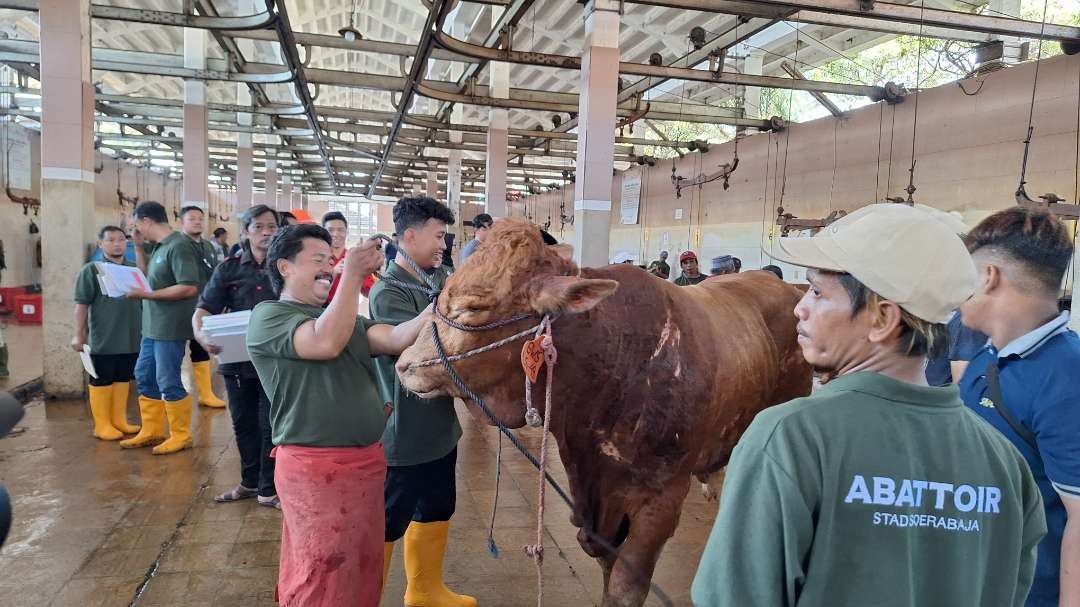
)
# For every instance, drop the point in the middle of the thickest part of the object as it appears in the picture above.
(332, 525)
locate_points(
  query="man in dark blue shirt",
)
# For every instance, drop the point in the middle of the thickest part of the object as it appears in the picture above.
(1021, 256)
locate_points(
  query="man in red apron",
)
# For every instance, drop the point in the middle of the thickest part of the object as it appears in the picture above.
(327, 418)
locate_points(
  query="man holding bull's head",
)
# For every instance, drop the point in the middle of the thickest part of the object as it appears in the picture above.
(877, 489)
(421, 434)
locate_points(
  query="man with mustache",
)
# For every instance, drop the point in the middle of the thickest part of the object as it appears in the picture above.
(877, 489)
(327, 416)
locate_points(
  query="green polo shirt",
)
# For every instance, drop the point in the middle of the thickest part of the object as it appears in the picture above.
(418, 430)
(314, 403)
(686, 281)
(207, 258)
(872, 492)
(113, 321)
(175, 261)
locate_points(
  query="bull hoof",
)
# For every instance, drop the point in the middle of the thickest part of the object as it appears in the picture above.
(713, 484)
(710, 494)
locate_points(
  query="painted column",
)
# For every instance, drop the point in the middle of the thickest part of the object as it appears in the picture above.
(433, 182)
(285, 199)
(753, 65)
(270, 180)
(245, 170)
(596, 133)
(67, 181)
(384, 218)
(498, 124)
(245, 174)
(453, 159)
(195, 136)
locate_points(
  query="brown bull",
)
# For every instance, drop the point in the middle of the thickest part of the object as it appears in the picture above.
(654, 384)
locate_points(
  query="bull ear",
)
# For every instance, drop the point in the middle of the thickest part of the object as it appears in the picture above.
(565, 251)
(569, 294)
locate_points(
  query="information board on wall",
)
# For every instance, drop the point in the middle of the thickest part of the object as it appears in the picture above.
(631, 198)
(17, 144)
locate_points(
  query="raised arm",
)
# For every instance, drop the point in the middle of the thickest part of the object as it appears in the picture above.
(388, 340)
(325, 337)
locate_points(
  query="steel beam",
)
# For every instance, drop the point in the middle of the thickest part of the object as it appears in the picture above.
(658, 71)
(416, 71)
(820, 97)
(137, 15)
(739, 32)
(674, 113)
(900, 13)
(358, 45)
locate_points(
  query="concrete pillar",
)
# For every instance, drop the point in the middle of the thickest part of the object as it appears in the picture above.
(752, 96)
(459, 28)
(196, 152)
(270, 180)
(498, 125)
(384, 219)
(285, 199)
(432, 183)
(245, 171)
(596, 133)
(245, 174)
(67, 180)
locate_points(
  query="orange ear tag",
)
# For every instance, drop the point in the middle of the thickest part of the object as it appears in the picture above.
(532, 358)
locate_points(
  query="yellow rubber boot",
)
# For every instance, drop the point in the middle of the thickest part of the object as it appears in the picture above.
(119, 408)
(179, 412)
(100, 410)
(152, 432)
(425, 547)
(204, 386)
(388, 555)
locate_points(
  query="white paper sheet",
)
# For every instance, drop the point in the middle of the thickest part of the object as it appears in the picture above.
(229, 331)
(119, 280)
(233, 348)
(87, 362)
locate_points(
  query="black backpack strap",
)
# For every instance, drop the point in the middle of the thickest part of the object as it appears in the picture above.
(993, 387)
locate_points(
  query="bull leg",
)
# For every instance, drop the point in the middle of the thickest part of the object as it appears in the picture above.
(606, 562)
(712, 485)
(650, 528)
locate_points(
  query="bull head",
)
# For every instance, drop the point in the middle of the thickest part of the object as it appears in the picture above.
(511, 274)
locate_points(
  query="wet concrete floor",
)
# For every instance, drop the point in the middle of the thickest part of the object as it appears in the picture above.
(98, 525)
(24, 344)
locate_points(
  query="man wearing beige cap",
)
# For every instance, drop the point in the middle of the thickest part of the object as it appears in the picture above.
(877, 489)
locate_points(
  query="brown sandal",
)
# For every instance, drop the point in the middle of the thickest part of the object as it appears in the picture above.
(238, 493)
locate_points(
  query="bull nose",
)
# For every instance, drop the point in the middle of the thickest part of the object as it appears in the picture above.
(401, 367)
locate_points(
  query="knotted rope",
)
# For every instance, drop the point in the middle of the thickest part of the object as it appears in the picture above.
(536, 551)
